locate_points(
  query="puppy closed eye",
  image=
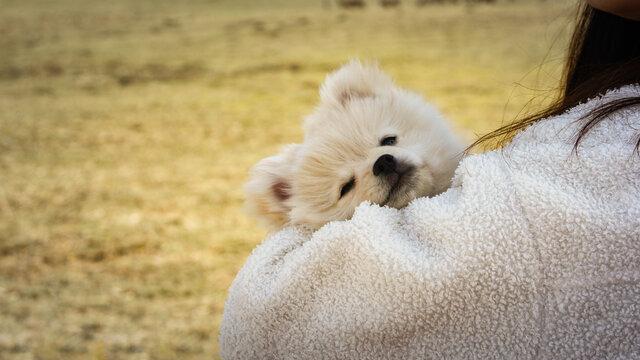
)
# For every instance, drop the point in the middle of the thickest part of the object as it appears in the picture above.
(388, 141)
(348, 186)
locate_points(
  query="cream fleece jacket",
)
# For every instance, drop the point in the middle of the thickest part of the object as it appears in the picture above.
(533, 253)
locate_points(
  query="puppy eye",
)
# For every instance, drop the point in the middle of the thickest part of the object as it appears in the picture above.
(388, 141)
(347, 187)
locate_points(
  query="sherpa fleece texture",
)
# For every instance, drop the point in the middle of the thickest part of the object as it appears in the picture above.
(533, 253)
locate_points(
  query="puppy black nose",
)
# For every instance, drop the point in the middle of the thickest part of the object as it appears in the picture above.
(385, 164)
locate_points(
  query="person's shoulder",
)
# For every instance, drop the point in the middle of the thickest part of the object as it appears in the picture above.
(562, 130)
(585, 108)
(547, 147)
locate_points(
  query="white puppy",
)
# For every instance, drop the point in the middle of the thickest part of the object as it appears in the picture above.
(367, 140)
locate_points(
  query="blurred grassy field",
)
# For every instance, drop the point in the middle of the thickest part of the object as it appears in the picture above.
(127, 129)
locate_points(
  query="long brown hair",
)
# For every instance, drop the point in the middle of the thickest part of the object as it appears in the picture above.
(604, 54)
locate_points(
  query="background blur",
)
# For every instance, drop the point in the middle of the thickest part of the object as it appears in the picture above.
(127, 129)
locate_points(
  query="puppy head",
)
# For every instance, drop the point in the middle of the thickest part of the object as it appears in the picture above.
(367, 140)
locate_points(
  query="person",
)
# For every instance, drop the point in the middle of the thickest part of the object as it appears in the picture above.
(534, 252)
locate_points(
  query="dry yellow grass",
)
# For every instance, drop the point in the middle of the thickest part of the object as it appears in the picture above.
(127, 129)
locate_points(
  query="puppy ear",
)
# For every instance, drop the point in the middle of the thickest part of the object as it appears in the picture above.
(269, 188)
(353, 81)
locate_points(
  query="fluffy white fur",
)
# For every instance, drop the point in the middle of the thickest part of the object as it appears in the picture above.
(359, 107)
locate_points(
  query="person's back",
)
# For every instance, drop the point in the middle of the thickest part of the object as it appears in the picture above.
(534, 252)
